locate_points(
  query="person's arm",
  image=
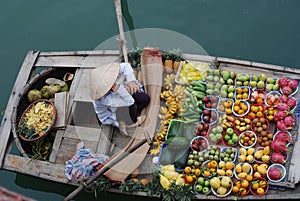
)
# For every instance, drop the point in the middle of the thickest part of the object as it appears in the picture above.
(127, 71)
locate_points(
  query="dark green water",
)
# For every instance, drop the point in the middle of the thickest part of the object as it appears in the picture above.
(259, 30)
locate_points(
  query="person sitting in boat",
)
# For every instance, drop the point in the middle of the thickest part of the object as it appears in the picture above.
(117, 95)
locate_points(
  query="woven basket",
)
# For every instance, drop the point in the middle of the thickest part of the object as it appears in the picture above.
(46, 132)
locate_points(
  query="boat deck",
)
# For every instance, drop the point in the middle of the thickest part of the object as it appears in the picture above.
(78, 123)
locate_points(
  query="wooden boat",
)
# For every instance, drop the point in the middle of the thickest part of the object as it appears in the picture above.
(77, 121)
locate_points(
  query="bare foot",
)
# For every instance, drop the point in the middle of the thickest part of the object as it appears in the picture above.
(122, 128)
(139, 121)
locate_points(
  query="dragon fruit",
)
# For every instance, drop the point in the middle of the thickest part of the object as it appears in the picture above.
(282, 82)
(292, 102)
(277, 157)
(293, 84)
(287, 90)
(281, 125)
(283, 136)
(279, 146)
(275, 173)
(282, 107)
(283, 99)
(279, 115)
(289, 121)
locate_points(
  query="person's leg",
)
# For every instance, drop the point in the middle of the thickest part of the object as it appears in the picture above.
(141, 101)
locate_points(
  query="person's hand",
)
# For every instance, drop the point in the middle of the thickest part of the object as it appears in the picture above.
(115, 87)
(132, 87)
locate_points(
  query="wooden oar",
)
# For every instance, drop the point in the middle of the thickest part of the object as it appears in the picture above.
(121, 29)
(112, 161)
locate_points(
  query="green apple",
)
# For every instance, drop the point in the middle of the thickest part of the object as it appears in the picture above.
(253, 84)
(262, 77)
(198, 188)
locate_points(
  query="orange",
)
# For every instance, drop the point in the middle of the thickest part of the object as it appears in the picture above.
(213, 164)
(235, 189)
(252, 115)
(260, 191)
(255, 185)
(245, 183)
(228, 103)
(206, 173)
(239, 90)
(240, 112)
(244, 107)
(243, 191)
(259, 100)
(249, 177)
(135, 179)
(144, 181)
(236, 108)
(237, 102)
(189, 179)
(245, 96)
(187, 170)
(228, 111)
(245, 90)
(238, 183)
(197, 172)
(239, 96)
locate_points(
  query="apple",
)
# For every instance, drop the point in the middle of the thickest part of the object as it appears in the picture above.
(205, 190)
(201, 180)
(199, 188)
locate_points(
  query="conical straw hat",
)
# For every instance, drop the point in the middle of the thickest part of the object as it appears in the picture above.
(102, 79)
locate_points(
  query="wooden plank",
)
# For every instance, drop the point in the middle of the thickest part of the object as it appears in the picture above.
(104, 142)
(83, 92)
(267, 66)
(75, 61)
(81, 53)
(35, 168)
(196, 57)
(56, 145)
(61, 103)
(21, 81)
(82, 133)
(234, 61)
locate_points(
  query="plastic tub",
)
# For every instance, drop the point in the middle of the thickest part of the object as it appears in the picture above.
(210, 97)
(265, 187)
(281, 168)
(223, 150)
(289, 140)
(212, 121)
(240, 194)
(274, 100)
(224, 102)
(229, 189)
(201, 193)
(199, 138)
(244, 134)
(241, 88)
(245, 111)
(250, 171)
(256, 111)
(257, 96)
(256, 121)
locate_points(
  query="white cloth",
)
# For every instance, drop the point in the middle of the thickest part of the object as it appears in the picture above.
(106, 106)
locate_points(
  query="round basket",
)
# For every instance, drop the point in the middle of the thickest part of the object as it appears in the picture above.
(48, 129)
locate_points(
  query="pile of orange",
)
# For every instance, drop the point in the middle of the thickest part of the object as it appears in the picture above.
(210, 169)
(240, 107)
(256, 110)
(259, 186)
(242, 93)
(241, 187)
(225, 105)
(270, 113)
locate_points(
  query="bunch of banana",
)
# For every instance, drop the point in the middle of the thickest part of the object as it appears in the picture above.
(169, 81)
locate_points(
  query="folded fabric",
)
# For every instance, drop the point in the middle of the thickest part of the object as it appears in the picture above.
(83, 164)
